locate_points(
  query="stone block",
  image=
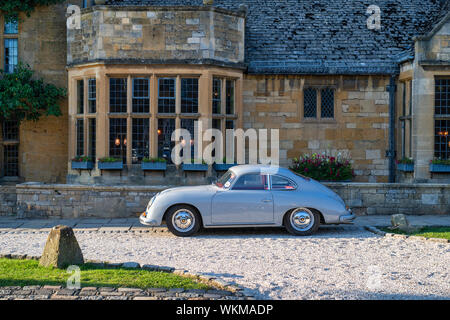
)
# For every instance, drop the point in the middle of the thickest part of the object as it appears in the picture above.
(61, 249)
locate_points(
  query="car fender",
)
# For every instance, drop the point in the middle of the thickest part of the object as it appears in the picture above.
(200, 198)
(329, 206)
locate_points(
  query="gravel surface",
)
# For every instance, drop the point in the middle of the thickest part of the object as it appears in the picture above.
(336, 263)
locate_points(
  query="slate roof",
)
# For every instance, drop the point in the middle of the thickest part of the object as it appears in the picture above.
(326, 36)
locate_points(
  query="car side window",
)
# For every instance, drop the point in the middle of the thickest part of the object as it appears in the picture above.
(253, 181)
(282, 183)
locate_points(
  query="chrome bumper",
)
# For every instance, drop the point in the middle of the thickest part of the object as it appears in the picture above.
(347, 218)
(152, 223)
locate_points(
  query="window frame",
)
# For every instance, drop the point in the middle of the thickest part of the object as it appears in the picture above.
(441, 118)
(4, 145)
(294, 184)
(266, 183)
(318, 108)
(8, 36)
(133, 97)
(174, 98)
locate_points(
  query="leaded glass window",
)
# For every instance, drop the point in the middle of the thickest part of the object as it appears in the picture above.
(310, 103)
(141, 95)
(118, 95)
(166, 95)
(189, 95)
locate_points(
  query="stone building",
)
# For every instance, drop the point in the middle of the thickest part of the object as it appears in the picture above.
(325, 74)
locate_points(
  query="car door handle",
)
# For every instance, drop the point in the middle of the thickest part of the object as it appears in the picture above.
(267, 200)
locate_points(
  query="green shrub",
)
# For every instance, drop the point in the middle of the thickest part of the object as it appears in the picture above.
(405, 160)
(441, 161)
(153, 160)
(25, 98)
(109, 159)
(82, 159)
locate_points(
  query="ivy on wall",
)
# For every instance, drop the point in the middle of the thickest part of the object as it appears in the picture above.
(12, 8)
(25, 98)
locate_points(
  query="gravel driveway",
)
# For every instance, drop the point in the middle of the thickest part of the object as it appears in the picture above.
(336, 263)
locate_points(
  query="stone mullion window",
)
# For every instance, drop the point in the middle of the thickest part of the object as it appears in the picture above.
(406, 119)
(92, 95)
(9, 45)
(217, 96)
(442, 118)
(189, 95)
(319, 103)
(9, 141)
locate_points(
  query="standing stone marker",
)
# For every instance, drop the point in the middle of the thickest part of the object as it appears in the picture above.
(61, 249)
(400, 222)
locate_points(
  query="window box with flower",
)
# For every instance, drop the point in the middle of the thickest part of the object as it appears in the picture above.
(109, 163)
(405, 165)
(195, 165)
(440, 166)
(154, 164)
(82, 163)
(323, 167)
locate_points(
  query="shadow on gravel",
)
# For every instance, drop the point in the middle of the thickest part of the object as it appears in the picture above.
(364, 295)
(323, 232)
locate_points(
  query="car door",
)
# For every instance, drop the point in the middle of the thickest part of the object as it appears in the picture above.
(249, 201)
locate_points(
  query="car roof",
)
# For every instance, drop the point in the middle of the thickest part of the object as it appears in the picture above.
(260, 168)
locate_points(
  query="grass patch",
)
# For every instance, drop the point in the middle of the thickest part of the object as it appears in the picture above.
(28, 272)
(428, 232)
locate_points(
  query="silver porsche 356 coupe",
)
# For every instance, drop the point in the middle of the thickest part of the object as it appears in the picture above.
(249, 196)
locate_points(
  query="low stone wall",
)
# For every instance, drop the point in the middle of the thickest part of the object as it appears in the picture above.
(73, 201)
(385, 198)
(8, 200)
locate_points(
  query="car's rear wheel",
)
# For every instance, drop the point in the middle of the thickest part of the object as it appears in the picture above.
(183, 220)
(302, 221)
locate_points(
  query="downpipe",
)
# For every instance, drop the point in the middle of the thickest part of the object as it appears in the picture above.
(391, 152)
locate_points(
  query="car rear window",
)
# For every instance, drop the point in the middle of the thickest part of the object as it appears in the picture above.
(282, 183)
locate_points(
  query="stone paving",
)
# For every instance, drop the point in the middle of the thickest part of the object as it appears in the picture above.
(133, 224)
(50, 292)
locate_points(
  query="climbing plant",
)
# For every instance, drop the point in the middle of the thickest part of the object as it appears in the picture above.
(25, 98)
(12, 8)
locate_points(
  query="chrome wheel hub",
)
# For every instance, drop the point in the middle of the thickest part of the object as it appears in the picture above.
(302, 219)
(183, 220)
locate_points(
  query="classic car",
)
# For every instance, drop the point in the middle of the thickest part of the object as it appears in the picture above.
(249, 196)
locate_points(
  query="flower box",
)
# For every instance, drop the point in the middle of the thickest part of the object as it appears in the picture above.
(223, 166)
(154, 166)
(118, 165)
(82, 165)
(405, 167)
(194, 167)
(443, 168)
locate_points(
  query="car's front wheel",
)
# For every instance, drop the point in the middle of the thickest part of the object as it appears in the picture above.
(302, 221)
(183, 220)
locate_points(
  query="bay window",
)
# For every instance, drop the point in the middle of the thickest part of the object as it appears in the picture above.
(133, 116)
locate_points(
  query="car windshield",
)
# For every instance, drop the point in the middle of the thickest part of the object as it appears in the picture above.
(226, 180)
